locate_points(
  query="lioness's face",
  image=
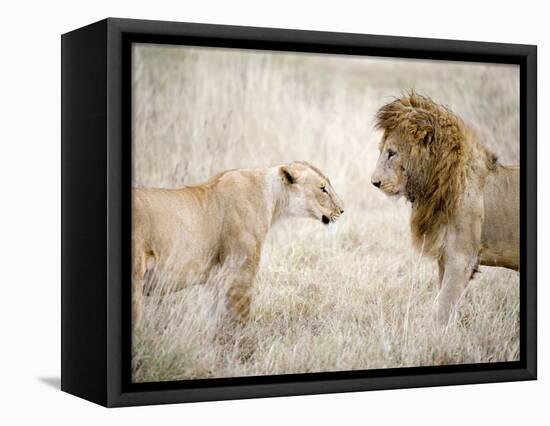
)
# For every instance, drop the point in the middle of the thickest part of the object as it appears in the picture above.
(310, 193)
(390, 175)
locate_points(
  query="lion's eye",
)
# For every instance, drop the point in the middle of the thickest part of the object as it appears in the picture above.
(324, 189)
(391, 154)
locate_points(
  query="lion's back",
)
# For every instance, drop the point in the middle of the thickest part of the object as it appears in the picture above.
(501, 227)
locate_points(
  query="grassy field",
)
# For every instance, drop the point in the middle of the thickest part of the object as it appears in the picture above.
(359, 298)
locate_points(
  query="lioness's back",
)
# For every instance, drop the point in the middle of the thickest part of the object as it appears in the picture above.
(162, 217)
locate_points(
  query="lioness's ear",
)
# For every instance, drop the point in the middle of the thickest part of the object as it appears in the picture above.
(287, 174)
(421, 127)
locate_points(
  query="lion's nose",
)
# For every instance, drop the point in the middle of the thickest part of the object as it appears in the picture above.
(341, 211)
(376, 183)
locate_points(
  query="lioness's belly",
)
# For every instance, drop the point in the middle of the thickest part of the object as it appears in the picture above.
(501, 228)
(177, 234)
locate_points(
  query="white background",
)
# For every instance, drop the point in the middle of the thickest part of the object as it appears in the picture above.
(30, 211)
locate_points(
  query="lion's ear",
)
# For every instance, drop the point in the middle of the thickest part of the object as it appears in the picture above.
(287, 174)
(421, 127)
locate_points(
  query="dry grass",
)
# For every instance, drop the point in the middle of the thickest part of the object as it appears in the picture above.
(357, 299)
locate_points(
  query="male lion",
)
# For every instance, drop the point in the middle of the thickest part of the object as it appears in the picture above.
(222, 223)
(465, 205)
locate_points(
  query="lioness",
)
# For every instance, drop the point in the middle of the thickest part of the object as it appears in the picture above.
(465, 205)
(223, 222)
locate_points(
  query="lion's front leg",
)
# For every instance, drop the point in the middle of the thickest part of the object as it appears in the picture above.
(460, 257)
(456, 275)
(440, 270)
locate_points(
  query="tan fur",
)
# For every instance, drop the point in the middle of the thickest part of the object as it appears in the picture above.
(222, 223)
(465, 205)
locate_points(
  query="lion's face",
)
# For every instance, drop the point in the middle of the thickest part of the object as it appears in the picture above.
(390, 175)
(310, 194)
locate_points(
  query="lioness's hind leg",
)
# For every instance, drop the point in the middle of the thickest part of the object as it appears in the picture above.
(138, 278)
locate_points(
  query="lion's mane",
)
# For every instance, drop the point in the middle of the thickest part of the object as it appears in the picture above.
(444, 160)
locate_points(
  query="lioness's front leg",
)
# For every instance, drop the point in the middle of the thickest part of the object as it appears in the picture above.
(241, 260)
(238, 292)
(238, 299)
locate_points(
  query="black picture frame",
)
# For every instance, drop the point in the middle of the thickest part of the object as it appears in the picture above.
(96, 167)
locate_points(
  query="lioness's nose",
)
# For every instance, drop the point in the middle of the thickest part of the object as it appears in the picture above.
(376, 183)
(341, 211)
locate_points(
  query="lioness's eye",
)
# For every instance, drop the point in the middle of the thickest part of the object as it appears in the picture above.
(390, 154)
(323, 189)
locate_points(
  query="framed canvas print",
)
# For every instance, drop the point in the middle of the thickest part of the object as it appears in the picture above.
(254, 212)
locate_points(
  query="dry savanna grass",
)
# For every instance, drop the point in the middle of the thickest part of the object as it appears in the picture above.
(358, 298)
